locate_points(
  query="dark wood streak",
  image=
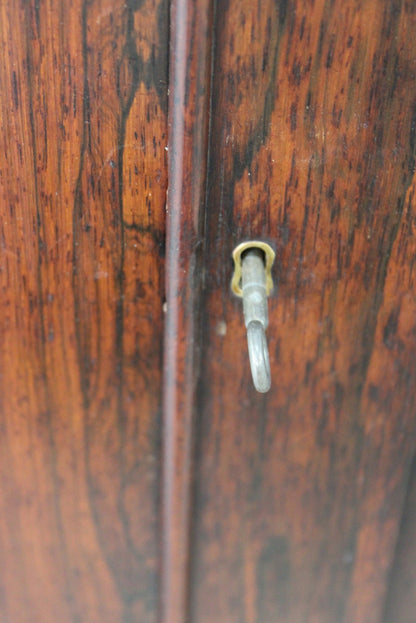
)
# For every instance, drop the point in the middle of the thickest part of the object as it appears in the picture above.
(315, 472)
(45, 392)
(135, 583)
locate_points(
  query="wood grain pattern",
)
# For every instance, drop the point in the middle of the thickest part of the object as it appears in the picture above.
(299, 492)
(189, 84)
(83, 104)
(282, 508)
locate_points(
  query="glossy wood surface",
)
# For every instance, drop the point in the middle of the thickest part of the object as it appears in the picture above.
(83, 105)
(299, 493)
(293, 122)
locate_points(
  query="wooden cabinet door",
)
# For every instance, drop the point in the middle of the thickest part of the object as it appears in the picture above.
(297, 495)
(142, 478)
(83, 97)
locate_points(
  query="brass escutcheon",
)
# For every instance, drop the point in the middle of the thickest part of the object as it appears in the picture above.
(269, 256)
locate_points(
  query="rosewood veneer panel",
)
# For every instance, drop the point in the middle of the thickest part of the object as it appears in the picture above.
(299, 493)
(83, 105)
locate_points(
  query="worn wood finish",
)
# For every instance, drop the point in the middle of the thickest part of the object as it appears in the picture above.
(83, 104)
(299, 492)
(190, 65)
(401, 596)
